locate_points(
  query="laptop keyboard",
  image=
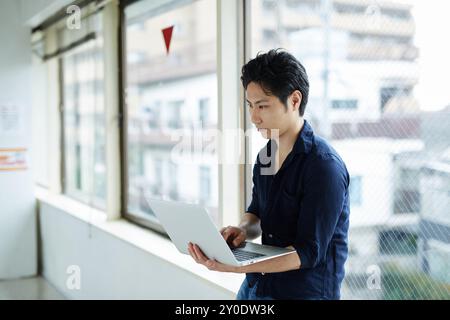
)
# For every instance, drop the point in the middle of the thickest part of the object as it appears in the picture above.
(242, 255)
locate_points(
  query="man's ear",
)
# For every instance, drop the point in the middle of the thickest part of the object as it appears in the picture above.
(296, 99)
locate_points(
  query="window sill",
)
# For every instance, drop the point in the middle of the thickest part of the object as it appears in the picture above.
(144, 239)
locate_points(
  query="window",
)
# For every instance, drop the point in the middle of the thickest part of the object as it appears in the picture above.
(152, 114)
(205, 188)
(439, 260)
(407, 195)
(170, 92)
(270, 35)
(269, 4)
(435, 194)
(203, 112)
(407, 201)
(375, 93)
(387, 94)
(158, 174)
(83, 114)
(367, 93)
(398, 242)
(355, 191)
(174, 111)
(344, 104)
(173, 186)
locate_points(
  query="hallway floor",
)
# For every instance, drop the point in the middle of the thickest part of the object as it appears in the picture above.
(36, 288)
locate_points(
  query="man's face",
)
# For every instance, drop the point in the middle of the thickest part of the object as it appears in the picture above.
(267, 112)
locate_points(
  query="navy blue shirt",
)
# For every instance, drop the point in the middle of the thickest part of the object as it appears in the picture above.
(305, 205)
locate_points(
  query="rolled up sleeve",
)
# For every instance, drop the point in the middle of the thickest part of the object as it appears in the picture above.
(325, 185)
(254, 204)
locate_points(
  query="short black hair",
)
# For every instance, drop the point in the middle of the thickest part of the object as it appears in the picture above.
(278, 73)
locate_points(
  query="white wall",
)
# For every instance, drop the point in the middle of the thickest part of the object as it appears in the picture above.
(34, 12)
(112, 268)
(371, 159)
(17, 218)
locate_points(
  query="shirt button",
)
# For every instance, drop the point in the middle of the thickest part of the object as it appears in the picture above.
(270, 235)
(262, 273)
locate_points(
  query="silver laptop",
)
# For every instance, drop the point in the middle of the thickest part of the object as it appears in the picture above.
(186, 223)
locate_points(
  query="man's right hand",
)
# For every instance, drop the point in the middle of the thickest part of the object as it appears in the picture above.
(234, 236)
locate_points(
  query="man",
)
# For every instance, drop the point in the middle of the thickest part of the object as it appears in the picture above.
(300, 197)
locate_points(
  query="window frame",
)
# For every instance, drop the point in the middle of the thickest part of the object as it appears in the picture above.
(52, 58)
(229, 49)
(90, 199)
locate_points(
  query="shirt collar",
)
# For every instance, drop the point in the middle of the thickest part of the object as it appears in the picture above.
(303, 144)
(304, 141)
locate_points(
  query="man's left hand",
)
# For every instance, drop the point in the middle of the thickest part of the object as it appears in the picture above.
(214, 265)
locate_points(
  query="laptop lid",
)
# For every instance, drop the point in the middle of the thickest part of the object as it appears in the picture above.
(186, 223)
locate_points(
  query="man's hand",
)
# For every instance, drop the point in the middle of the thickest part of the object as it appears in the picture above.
(234, 236)
(199, 257)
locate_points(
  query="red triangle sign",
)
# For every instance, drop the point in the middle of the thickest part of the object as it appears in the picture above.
(167, 34)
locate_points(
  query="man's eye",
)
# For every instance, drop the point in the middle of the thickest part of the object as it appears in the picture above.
(261, 107)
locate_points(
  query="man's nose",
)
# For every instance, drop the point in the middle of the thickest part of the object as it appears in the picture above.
(254, 116)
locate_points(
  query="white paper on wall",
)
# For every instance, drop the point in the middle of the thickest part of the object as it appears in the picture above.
(11, 120)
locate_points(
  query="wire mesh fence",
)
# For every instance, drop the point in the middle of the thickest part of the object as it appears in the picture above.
(362, 59)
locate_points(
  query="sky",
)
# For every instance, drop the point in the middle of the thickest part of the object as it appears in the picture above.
(432, 18)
